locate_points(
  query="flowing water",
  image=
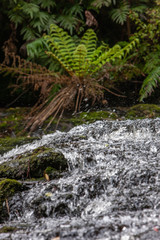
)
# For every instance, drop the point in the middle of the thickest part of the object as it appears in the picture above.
(111, 191)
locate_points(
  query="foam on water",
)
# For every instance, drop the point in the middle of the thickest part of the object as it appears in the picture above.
(111, 191)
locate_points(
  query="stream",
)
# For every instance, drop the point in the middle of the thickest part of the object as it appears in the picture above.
(110, 192)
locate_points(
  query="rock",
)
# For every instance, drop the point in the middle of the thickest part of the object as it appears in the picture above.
(8, 143)
(33, 165)
(8, 187)
(89, 117)
(143, 111)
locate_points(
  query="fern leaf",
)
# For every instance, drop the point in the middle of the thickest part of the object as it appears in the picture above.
(119, 15)
(69, 22)
(107, 56)
(61, 44)
(98, 51)
(79, 57)
(62, 63)
(75, 10)
(89, 39)
(16, 18)
(152, 61)
(43, 17)
(101, 3)
(47, 3)
(28, 33)
(150, 83)
(30, 9)
(35, 47)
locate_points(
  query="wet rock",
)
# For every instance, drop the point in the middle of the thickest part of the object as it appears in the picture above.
(89, 117)
(143, 111)
(33, 165)
(7, 229)
(9, 143)
(8, 187)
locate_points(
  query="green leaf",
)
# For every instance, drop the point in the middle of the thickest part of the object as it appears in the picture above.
(30, 9)
(101, 3)
(16, 18)
(150, 83)
(119, 15)
(68, 22)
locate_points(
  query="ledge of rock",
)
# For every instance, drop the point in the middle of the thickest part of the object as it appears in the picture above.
(33, 165)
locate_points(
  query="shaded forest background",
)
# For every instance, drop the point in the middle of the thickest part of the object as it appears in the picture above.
(135, 75)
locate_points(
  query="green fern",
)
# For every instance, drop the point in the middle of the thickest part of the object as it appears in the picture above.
(89, 39)
(101, 3)
(150, 83)
(119, 15)
(87, 54)
(79, 57)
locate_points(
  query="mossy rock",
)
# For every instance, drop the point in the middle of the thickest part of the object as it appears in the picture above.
(32, 165)
(141, 111)
(8, 187)
(90, 117)
(12, 120)
(7, 143)
(52, 173)
(7, 229)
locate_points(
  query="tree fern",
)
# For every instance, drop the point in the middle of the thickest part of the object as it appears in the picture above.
(83, 62)
(63, 49)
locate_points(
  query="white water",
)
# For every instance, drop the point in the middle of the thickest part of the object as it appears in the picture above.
(111, 192)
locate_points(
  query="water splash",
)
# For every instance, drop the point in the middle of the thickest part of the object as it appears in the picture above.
(112, 189)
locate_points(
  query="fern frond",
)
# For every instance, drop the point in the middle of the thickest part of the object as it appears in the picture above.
(43, 17)
(28, 33)
(89, 39)
(79, 58)
(101, 3)
(152, 61)
(34, 48)
(47, 3)
(130, 46)
(98, 51)
(67, 67)
(30, 9)
(150, 83)
(119, 15)
(107, 56)
(74, 10)
(61, 45)
(139, 9)
(68, 22)
(16, 18)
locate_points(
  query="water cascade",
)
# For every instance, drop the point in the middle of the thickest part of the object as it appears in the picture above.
(110, 192)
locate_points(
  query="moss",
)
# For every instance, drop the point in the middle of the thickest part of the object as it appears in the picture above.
(8, 143)
(7, 229)
(49, 170)
(12, 120)
(8, 187)
(89, 117)
(32, 165)
(143, 111)
(52, 172)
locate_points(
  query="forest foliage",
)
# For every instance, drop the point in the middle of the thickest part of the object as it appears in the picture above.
(62, 41)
